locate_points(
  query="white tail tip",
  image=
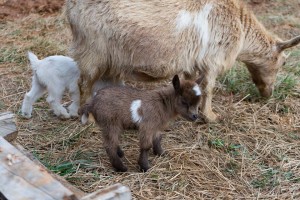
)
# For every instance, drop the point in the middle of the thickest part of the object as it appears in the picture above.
(84, 119)
(33, 59)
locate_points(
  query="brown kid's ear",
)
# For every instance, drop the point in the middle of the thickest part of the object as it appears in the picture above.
(281, 46)
(176, 84)
(200, 79)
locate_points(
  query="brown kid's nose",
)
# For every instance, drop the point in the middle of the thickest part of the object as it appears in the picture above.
(195, 116)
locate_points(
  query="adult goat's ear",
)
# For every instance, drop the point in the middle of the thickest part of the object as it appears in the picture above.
(200, 79)
(176, 84)
(281, 46)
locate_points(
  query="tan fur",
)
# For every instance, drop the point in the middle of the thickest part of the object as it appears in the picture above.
(152, 40)
(111, 109)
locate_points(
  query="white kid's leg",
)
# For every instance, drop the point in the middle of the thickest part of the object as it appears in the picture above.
(75, 96)
(54, 99)
(35, 93)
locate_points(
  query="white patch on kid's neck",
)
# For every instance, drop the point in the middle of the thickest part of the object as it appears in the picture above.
(197, 90)
(135, 106)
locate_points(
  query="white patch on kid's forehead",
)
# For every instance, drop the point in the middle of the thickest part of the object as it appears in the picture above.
(197, 90)
(135, 106)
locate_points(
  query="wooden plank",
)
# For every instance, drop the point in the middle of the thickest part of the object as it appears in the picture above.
(8, 128)
(78, 193)
(2, 197)
(21, 179)
(114, 192)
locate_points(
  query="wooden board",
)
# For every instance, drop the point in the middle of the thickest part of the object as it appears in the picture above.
(78, 193)
(8, 128)
(114, 192)
(21, 179)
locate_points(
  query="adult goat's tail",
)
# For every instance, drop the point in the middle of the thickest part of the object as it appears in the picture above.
(33, 60)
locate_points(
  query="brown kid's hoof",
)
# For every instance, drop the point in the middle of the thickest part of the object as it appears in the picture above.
(121, 169)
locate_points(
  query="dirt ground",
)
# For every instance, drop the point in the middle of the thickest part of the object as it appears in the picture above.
(252, 153)
(12, 9)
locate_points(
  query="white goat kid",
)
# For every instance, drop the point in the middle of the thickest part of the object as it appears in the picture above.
(54, 74)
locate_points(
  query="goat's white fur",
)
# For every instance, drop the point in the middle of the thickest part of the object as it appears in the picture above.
(54, 74)
(84, 119)
(135, 106)
(197, 90)
(183, 20)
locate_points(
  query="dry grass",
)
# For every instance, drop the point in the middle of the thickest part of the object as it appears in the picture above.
(253, 153)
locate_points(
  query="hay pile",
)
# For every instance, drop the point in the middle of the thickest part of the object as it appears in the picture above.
(253, 152)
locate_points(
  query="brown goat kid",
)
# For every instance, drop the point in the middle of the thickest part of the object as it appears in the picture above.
(117, 108)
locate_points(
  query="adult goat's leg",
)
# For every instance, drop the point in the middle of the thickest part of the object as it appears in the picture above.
(206, 100)
(85, 85)
(54, 99)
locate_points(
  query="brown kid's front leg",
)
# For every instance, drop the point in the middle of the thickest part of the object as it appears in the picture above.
(143, 160)
(145, 146)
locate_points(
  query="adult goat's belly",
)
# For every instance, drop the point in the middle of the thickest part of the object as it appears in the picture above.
(147, 57)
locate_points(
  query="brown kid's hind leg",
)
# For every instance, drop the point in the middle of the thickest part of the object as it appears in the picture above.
(113, 150)
(157, 149)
